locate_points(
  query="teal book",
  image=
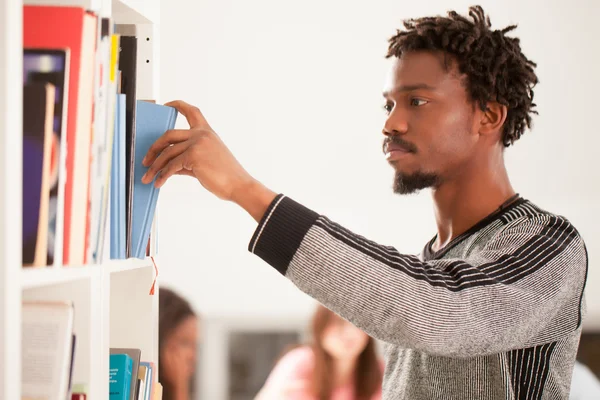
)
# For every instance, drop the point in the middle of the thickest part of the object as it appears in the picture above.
(120, 376)
(152, 121)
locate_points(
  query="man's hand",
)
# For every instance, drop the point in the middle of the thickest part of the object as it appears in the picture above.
(199, 152)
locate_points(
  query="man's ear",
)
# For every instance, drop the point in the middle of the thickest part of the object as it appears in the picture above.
(492, 119)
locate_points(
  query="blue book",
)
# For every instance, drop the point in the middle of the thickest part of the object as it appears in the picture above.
(152, 121)
(120, 376)
(117, 184)
(149, 378)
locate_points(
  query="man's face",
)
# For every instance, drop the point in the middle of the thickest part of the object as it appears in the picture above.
(429, 132)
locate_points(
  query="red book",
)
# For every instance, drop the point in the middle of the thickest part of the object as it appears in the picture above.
(73, 28)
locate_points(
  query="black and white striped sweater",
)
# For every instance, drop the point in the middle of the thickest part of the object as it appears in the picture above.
(495, 315)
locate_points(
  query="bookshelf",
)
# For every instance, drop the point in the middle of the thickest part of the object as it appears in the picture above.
(112, 303)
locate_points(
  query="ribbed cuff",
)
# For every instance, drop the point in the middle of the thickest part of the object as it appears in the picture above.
(280, 232)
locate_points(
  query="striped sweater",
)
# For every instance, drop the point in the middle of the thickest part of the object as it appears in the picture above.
(496, 314)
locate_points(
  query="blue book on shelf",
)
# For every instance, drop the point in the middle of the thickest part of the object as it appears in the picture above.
(120, 376)
(152, 121)
(117, 184)
(149, 378)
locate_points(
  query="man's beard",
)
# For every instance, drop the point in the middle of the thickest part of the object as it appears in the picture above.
(411, 183)
(408, 184)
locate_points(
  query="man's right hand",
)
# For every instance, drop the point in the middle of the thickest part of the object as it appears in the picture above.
(199, 152)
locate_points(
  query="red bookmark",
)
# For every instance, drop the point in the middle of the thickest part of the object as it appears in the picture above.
(155, 276)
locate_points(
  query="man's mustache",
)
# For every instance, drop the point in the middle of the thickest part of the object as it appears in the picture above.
(398, 141)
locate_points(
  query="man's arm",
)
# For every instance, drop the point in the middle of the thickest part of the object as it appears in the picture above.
(524, 288)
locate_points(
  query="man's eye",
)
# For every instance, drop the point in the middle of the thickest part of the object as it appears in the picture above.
(388, 108)
(417, 102)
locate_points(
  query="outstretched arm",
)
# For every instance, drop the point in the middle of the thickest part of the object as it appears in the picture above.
(524, 288)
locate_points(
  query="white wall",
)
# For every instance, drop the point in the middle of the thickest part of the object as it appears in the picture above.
(294, 88)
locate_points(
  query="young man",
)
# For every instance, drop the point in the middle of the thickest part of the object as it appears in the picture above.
(492, 307)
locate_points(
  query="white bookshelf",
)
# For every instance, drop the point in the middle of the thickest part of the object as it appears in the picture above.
(113, 307)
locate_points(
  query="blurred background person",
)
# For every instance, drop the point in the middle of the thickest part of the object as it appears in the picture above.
(341, 363)
(178, 342)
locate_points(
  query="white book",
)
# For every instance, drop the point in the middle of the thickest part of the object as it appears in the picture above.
(47, 332)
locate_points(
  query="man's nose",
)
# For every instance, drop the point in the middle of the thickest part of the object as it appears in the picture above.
(396, 123)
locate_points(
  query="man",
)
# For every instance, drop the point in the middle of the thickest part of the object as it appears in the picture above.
(492, 307)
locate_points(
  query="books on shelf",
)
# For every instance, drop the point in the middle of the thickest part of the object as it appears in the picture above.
(49, 344)
(83, 199)
(131, 378)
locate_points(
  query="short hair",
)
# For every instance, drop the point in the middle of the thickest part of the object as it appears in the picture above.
(495, 67)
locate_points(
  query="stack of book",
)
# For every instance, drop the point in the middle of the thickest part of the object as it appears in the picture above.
(84, 135)
(131, 378)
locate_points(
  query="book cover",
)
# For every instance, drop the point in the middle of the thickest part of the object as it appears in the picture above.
(153, 120)
(52, 66)
(151, 379)
(47, 349)
(135, 355)
(38, 115)
(121, 366)
(101, 144)
(128, 68)
(105, 246)
(117, 185)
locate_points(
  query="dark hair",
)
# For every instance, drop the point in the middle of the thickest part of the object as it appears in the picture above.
(368, 376)
(495, 68)
(172, 310)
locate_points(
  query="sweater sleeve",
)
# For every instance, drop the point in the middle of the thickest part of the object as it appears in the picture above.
(524, 287)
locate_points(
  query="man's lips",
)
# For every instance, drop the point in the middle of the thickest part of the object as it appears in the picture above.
(397, 147)
(395, 151)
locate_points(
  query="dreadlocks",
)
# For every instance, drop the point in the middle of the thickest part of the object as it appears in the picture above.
(495, 67)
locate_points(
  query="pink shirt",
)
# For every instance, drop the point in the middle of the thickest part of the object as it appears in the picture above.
(290, 379)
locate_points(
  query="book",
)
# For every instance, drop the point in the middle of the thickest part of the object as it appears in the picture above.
(121, 366)
(142, 381)
(128, 68)
(151, 378)
(157, 393)
(113, 121)
(52, 66)
(118, 219)
(38, 115)
(152, 121)
(135, 355)
(79, 391)
(47, 349)
(101, 143)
